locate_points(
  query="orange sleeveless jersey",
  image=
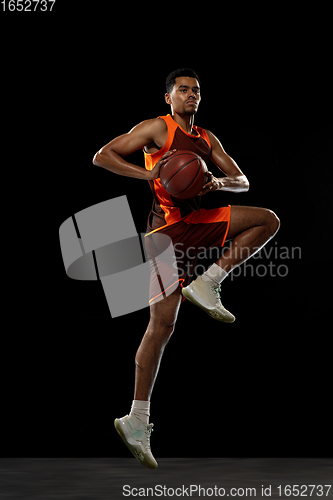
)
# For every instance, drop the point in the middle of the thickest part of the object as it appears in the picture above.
(166, 209)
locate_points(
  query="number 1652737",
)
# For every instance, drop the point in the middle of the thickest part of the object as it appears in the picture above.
(27, 5)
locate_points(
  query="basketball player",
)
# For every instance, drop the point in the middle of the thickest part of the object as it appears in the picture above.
(185, 223)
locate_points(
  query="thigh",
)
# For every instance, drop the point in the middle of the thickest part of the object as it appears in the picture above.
(243, 218)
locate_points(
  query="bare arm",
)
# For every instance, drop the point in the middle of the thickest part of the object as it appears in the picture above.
(234, 181)
(111, 155)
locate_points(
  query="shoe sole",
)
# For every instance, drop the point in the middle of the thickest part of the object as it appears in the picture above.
(134, 449)
(211, 312)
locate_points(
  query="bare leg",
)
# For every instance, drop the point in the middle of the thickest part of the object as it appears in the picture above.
(163, 317)
(251, 228)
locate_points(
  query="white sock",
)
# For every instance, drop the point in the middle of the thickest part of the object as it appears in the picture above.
(215, 274)
(141, 410)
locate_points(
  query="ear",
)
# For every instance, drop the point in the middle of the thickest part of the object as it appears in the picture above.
(167, 98)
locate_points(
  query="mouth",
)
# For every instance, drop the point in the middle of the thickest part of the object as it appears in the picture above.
(191, 102)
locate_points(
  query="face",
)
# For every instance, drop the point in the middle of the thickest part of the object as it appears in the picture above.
(185, 96)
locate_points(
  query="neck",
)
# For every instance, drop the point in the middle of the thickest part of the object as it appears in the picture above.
(185, 121)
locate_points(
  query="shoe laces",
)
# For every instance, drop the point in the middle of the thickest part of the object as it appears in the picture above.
(148, 430)
(216, 289)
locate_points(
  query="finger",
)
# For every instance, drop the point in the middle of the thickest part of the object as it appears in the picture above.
(164, 160)
(168, 153)
(203, 191)
(206, 188)
(207, 185)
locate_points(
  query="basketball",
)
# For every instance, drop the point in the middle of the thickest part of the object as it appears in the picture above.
(184, 174)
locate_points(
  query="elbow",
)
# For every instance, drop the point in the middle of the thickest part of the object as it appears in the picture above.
(96, 159)
(246, 184)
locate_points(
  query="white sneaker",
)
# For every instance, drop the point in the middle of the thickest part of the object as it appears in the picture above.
(136, 436)
(206, 295)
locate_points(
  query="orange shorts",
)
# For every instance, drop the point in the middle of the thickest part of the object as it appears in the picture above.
(175, 264)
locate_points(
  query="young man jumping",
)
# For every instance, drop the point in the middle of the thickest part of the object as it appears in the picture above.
(188, 225)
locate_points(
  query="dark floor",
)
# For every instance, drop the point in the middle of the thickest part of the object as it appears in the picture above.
(113, 479)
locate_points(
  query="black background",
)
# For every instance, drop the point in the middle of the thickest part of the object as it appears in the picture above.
(75, 79)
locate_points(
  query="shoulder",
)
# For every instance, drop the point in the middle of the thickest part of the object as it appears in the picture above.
(150, 127)
(205, 134)
(210, 135)
(214, 140)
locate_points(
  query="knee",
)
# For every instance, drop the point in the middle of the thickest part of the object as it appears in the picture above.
(158, 334)
(162, 334)
(165, 332)
(162, 323)
(273, 223)
(153, 343)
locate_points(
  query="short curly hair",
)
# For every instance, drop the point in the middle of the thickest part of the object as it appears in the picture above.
(171, 78)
